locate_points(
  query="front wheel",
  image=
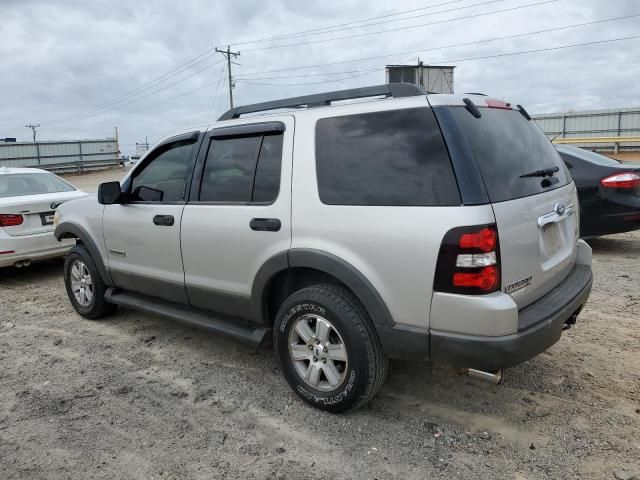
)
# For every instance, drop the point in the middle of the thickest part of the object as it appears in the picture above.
(84, 285)
(328, 350)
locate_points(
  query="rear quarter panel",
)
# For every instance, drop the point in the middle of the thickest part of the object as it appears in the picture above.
(395, 248)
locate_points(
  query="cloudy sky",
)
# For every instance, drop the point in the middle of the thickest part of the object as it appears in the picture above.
(82, 67)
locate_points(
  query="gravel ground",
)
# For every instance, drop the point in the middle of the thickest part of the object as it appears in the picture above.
(134, 396)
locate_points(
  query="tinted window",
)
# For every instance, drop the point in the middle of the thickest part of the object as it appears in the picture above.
(384, 158)
(589, 156)
(242, 169)
(169, 171)
(507, 146)
(20, 184)
(267, 182)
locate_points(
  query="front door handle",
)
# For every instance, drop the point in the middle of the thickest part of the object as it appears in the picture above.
(163, 220)
(265, 224)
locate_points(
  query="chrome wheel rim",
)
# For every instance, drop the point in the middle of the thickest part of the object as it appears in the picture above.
(318, 352)
(81, 283)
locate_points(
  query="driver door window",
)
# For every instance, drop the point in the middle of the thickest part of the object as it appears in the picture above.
(167, 175)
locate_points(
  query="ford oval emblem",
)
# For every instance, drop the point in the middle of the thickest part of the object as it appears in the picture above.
(55, 205)
(559, 208)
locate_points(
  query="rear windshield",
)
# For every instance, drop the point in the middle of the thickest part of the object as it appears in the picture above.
(20, 184)
(506, 145)
(591, 157)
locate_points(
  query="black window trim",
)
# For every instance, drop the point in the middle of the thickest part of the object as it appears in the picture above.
(261, 129)
(197, 138)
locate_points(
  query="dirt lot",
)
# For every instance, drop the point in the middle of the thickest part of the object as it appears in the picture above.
(135, 396)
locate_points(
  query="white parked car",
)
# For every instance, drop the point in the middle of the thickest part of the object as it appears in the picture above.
(28, 200)
(134, 159)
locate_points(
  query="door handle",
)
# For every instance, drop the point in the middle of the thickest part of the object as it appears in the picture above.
(265, 224)
(163, 220)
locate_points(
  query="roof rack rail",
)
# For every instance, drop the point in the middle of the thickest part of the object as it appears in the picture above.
(394, 90)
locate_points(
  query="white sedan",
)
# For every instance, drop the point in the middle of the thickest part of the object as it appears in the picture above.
(28, 200)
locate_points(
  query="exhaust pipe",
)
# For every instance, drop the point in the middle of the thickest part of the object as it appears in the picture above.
(18, 265)
(490, 377)
(26, 263)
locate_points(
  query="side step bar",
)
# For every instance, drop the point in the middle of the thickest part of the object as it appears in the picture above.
(231, 327)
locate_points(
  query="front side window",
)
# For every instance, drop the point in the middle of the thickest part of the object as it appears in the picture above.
(168, 173)
(242, 169)
(395, 158)
(21, 184)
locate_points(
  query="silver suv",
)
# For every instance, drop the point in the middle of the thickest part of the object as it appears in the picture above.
(349, 227)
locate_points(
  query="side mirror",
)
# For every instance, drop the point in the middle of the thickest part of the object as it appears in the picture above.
(148, 194)
(109, 193)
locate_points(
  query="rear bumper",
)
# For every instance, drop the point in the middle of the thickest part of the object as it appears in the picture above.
(540, 326)
(31, 247)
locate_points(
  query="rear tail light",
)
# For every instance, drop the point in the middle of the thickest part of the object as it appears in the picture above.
(625, 180)
(469, 261)
(7, 220)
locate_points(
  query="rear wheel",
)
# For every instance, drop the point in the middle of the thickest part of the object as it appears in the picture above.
(84, 285)
(328, 349)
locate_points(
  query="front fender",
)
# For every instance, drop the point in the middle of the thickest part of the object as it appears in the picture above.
(69, 230)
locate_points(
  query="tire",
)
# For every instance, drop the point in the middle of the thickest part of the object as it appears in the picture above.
(79, 265)
(331, 384)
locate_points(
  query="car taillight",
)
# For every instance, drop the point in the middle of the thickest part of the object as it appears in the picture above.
(625, 180)
(469, 261)
(7, 220)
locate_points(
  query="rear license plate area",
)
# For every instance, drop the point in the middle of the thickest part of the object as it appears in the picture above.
(551, 239)
(47, 218)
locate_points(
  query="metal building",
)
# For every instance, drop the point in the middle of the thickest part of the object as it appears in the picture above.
(61, 156)
(606, 130)
(433, 78)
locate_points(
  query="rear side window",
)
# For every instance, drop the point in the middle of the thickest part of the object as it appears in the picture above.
(395, 158)
(506, 146)
(242, 169)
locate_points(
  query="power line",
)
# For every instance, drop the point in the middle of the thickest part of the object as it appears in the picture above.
(214, 99)
(198, 59)
(466, 59)
(171, 73)
(455, 45)
(155, 104)
(103, 111)
(438, 22)
(352, 25)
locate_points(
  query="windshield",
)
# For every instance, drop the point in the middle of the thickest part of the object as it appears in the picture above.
(20, 184)
(514, 156)
(589, 156)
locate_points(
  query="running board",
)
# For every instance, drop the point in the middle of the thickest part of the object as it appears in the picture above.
(231, 327)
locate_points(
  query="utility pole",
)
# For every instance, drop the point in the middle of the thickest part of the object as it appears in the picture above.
(228, 54)
(33, 128)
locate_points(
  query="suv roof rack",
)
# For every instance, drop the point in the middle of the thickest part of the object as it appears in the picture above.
(394, 90)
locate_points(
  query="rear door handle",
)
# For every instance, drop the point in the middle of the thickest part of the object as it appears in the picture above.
(265, 224)
(163, 220)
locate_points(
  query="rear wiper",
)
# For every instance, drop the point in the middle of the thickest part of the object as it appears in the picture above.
(545, 172)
